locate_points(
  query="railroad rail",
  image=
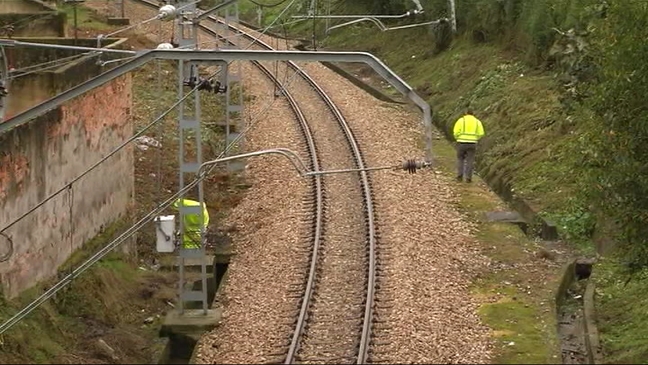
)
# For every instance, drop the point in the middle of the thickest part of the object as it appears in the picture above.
(318, 207)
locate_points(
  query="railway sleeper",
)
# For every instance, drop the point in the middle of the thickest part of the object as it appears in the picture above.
(373, 351)
(295, 296)
(274, 359)
(380, 301)
(287, 312)
(302, 267)
(296, 277)
(383, 306)
(384, 300)
(385, 252)
(299, 284)
(323, 324)
(383, 268)
(379, 361)
(288, 318)
(382, 326)
(381, 343)
(296, 291)
(385, 286)
(281, 347)
(328, 317)
(339, 294)
(329, 343)
(351, 312)
(327, 359)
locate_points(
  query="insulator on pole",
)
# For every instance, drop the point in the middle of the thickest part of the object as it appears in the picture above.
(167, 12)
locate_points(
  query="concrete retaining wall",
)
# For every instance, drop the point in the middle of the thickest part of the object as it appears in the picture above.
(42, 156)
(32, 88)
(592, 340)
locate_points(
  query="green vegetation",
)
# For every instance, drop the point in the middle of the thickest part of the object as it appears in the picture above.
(86, 18)
(621, 305)
(109, 302)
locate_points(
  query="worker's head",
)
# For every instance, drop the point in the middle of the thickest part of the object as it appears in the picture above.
(469, 111)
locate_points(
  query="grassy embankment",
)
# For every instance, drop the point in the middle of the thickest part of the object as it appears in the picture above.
(112, 312)
(533, 145)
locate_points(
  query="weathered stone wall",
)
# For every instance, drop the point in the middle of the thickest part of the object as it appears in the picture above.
(38, 158)
(29, 89)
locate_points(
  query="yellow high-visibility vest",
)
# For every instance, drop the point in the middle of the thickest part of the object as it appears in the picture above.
(468, 129)
(193, 223)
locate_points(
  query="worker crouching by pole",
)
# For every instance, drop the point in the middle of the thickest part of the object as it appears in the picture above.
(467, 131)
(193, 223)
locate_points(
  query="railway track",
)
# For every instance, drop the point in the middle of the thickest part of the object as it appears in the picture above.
(335, 314)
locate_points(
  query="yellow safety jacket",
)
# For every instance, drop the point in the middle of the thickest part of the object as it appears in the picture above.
(192, 223)
(468, 129)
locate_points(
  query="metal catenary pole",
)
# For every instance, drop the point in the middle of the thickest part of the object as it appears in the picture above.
(232, 77)
(190, 159)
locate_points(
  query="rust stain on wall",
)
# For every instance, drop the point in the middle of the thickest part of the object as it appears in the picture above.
(90, 110)
(14, 169)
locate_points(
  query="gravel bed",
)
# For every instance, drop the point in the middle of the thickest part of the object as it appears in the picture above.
(270, 247)
(428, 255)
(341, 275)
(342, 266)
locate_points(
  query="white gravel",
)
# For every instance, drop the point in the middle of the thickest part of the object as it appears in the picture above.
(426, 312)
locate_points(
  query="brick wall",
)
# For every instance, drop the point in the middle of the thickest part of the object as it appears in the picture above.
(42, 156)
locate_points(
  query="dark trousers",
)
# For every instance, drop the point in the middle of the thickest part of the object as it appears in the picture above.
(465, 159)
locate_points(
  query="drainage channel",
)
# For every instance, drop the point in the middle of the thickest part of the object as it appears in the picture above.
(574, 306)
(574, 302)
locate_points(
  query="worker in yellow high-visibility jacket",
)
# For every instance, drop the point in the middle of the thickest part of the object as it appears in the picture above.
(193, 223)
(467, 131)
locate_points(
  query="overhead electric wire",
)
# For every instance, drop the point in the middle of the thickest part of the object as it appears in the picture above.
(268, 5)
(44, 64)
(98, 163)
(22, 72)
(39, 16)
(98, 256)
(133, 229)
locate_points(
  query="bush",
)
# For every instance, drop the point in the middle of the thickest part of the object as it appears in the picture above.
(618, 96)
